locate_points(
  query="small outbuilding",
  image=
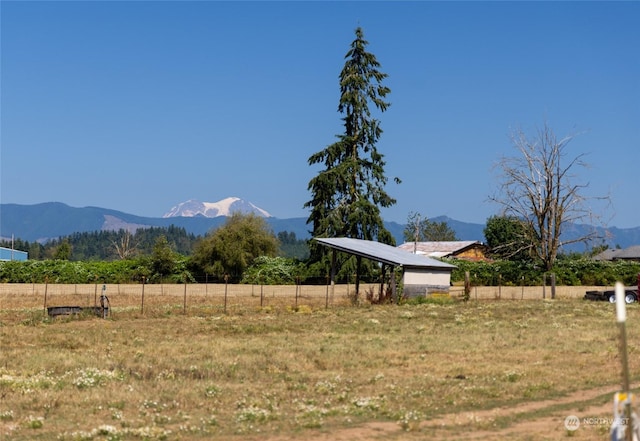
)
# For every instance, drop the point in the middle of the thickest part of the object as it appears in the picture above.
(9, 254)
(631, 253)
(470, 250)
(421, 275)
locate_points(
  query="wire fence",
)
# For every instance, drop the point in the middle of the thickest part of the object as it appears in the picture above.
(150, 298)
(147, 298)
(524, 292)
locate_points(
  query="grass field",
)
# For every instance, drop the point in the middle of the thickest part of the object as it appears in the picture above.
(497, 369)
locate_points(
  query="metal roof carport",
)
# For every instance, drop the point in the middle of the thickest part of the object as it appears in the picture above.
(380, 252)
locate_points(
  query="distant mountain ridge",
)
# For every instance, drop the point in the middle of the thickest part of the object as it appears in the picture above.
(51, 220)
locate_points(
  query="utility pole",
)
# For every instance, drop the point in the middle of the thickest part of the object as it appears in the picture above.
(416, 236)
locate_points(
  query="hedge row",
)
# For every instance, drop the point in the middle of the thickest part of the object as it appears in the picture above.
(570, 272)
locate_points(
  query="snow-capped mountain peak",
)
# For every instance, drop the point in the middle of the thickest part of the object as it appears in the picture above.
(224, 207)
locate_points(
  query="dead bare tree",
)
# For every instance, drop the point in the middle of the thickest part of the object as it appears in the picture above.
(537, 187)
(125, 246)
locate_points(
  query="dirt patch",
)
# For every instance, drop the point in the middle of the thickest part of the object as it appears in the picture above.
(537, 420)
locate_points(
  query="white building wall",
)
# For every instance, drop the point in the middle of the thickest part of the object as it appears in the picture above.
(427, 277)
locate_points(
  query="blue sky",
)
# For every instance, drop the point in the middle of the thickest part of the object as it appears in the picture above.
(138, 106)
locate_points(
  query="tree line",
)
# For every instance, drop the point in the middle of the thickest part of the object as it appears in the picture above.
(123, 244)
(106, 245)
(158, 255)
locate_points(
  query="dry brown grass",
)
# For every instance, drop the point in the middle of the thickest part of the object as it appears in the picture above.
(279, 373)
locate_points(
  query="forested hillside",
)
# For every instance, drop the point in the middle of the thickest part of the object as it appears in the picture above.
(117, 245)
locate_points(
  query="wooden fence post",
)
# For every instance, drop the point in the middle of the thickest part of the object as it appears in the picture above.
(46, 287)
(142, 304)
(467, 286)
(326, 300)
(226, 282)
(184, 303)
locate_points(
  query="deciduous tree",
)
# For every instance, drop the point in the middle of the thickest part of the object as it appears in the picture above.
(163, 258)
(233, 247)
(420, 229)
(507, 238)
(125, 246)
(537, 186)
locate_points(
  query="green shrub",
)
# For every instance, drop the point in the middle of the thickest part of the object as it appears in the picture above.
(570, 272)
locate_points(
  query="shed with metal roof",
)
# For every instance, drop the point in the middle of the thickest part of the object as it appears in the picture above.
(630, 253)
(471, 250)
(8, 254)
(421, 275)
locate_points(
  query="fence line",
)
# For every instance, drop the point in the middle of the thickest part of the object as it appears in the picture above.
(14, 295)
(157, 296)
(524, 292)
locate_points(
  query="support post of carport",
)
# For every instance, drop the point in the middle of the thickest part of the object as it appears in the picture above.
(333, 272)
(394, 293)
(384, 273)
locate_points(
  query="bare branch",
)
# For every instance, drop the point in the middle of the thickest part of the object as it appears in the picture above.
(537, 187)
(125, 247)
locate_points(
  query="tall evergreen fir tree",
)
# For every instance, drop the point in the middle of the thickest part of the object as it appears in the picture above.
(348, 194)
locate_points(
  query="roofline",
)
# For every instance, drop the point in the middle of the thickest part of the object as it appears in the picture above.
(406, 264)
(357, 253)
